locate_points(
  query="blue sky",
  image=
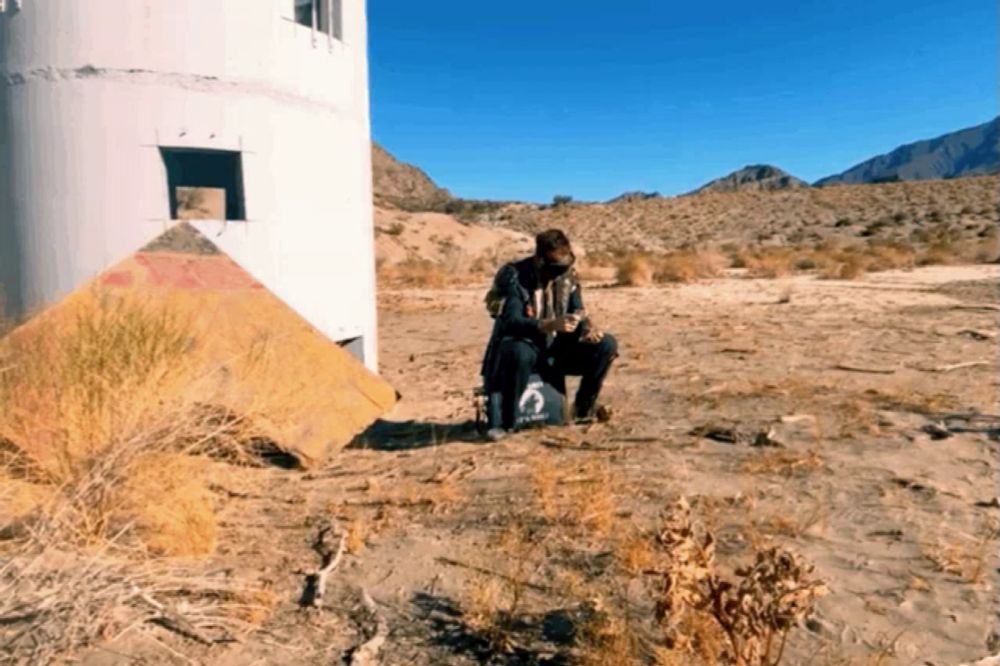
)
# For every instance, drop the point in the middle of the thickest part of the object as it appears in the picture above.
(527, 99)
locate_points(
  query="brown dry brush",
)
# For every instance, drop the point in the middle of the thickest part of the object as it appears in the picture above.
(95, 489)
(752, 612)
(83, 567)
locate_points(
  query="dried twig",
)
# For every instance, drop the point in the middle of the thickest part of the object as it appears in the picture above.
(367, 652)
(976, 334)
(583, 446)
(489, 572)
(330, 559)
(953, 366)
(869, 370)
(991, 307)
(171, 619)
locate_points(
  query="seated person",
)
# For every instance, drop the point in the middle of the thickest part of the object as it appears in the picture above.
(541, 326)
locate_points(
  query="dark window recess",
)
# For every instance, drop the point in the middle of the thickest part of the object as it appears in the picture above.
(322, 15)
(204, 184)
(356, 347)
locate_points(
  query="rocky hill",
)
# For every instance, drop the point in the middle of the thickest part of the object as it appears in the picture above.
(913, 212)
(754, 178)
(401, 185)
(967, 152)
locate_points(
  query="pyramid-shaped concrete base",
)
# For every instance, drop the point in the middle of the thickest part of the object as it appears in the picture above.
(304, 392)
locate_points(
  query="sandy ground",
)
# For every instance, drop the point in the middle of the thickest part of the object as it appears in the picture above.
(899, 523)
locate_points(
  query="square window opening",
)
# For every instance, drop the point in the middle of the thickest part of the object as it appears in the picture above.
(204, 184)
(324, 16)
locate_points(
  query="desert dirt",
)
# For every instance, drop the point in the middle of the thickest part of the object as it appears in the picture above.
(845, 377)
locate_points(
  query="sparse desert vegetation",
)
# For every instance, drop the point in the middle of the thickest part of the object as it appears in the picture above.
(771, 489)
(750, 503)
(106, 472)
(840, 232)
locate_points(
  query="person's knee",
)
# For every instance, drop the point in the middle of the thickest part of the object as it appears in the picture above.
(608, 346)
(517, 352)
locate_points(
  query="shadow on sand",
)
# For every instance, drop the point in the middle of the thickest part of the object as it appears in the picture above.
(542, 637)
(404, 435)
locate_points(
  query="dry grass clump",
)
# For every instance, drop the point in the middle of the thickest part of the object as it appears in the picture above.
(55, 601)
(968, 558)
(96, 420)
(642, 269)
(770, 262)
(635, 270)
(662, 600)
(96, 433)
(783, 463)
(891, 256)
(421, 273)
(183, 525)
(493, 602)
(843, 267)
(689, 265)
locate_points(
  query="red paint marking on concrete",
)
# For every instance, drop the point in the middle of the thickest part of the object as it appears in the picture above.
(167, 271)
(195, 272)
(118, 279)
(222, 273)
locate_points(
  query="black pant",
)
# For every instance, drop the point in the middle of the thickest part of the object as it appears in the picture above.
(567, 356)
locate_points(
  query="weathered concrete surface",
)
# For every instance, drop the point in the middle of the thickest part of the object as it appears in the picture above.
(91, 91)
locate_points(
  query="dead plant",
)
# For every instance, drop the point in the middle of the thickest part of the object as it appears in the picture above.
(755, 610)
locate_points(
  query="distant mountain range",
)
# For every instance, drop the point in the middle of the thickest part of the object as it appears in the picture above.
(968, 152)
(758, 177)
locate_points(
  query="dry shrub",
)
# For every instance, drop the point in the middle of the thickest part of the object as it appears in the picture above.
(607, 640)
(969, 559)
(61, 398)
(96, 428)
(545, 479)
(54, 602)
(688, 266)
(421, 273)
(184, 524)
(900, 399)
(635, 271)
(987, 251)
(634, 553)
(752, 613)
(770, 263)
(940, 253)
(846, 266)
(488, 603)
(493, 603)
(641, 269)
(95, 414)
(357, 535)
(783, 463)
(592, 503)
(886, 257)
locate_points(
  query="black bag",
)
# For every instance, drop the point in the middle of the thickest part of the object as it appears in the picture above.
(540, 404)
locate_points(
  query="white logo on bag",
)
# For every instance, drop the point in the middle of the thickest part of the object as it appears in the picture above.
(532, 397)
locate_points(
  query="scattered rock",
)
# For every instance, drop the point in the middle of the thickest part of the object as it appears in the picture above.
(937, 431)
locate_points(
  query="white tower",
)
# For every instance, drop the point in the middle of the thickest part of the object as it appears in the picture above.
(107, 107)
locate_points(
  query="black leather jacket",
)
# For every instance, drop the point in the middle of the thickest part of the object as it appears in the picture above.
(512, 291)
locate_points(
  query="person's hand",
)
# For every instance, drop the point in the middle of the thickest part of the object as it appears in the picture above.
(593, 336)
(563, 324)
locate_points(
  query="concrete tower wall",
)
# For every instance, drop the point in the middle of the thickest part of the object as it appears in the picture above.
(92, 92)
